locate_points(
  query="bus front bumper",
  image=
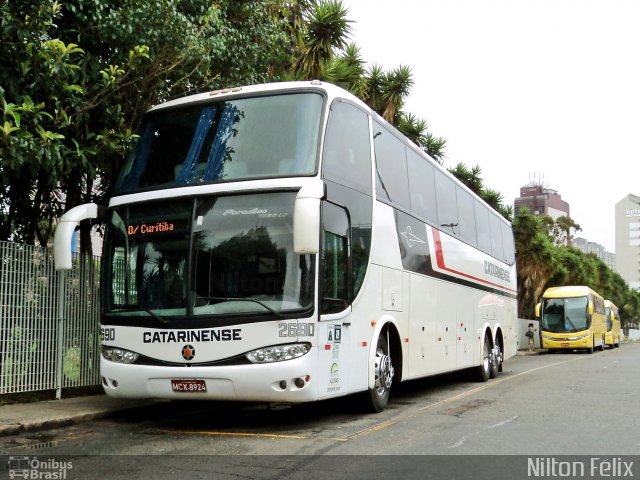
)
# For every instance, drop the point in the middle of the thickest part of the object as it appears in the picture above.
(569, 343)
(287, 381)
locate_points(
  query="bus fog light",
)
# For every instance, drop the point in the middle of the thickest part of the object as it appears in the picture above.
(119, 355)
(299, 382)
(278, 353)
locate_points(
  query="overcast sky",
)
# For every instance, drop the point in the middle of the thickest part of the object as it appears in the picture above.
(549, 88)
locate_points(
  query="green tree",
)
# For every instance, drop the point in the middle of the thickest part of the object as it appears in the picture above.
(327, 30)
(472, 179)
(77, 77)
(535, 260)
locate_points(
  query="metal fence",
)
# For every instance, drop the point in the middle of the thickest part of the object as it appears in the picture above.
(49, 322)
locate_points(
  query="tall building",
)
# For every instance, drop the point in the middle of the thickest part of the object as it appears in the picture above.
(598, 250)
(628, 240)
(541, 200)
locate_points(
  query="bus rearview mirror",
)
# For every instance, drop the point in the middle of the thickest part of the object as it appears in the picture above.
(538, 310)
(62, 254)
(306, 219)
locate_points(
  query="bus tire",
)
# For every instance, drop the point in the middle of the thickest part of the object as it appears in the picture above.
(496, 363)
(376, 398)
(483, 372)
(590, 349)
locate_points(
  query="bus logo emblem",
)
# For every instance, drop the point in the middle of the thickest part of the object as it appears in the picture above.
(410, 237)
(188, 352)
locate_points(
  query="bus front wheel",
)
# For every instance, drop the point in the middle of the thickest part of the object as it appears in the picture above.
(378, 396)
(483, 372)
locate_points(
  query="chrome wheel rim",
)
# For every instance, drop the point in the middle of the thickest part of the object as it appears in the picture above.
(384, 373)
(486, 361)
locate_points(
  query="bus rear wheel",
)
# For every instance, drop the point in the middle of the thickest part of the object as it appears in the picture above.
(496, 360)
(378, 396)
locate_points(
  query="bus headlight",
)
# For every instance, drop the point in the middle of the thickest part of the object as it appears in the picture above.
(119, 355)
(278, 353)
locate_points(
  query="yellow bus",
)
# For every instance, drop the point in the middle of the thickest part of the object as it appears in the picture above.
(572, 318)
(612, 338)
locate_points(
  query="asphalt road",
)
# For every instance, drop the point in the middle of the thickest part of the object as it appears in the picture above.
(541, 405)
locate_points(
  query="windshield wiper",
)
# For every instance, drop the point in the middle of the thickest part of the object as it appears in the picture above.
(569, 320)
(247, 299)
(155, 316)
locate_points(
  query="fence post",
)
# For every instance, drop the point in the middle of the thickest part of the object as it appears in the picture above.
(60, 349)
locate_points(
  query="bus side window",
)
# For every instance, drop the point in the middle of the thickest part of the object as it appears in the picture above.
(347, 149)
(496, 236)
(335, 260)
(482, 226)
(466, 216)
(446, 203)
(421, 187)
(392, 183)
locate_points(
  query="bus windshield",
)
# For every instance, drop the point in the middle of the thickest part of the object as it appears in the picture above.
(258, 137)
(565, 314)
(217, 255)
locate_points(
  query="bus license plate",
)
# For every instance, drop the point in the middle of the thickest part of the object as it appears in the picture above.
(564, 344)
(188, 386)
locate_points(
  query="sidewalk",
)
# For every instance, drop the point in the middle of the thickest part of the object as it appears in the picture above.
(25, 417)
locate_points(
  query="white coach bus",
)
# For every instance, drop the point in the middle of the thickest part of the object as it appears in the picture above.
(284, 243)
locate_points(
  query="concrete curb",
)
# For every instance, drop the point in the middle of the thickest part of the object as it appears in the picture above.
(30, 417)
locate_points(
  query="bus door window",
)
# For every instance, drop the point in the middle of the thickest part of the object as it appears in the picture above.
(336, 286)
(148, 249)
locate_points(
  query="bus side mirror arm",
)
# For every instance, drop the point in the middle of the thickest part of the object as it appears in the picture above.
(306, 218)
(64, 232)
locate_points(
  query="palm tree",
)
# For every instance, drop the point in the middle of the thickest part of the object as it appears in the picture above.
(535, 259)
(471, 178)
(374, 82)
(395, 88)
(347, 71)
(327, 30)
(416, 130)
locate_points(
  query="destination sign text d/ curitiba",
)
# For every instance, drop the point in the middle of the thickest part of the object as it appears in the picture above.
(145, 228)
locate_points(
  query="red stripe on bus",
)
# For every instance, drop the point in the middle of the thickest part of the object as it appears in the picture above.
(440, 261)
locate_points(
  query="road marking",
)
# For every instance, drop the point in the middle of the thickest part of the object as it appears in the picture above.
(459, 396)
(490, 427)
(369, 430)
(235, 434)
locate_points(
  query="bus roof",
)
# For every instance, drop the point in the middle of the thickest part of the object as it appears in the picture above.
(331, 91)
(321, 86)
(610, 304)
(568, 291)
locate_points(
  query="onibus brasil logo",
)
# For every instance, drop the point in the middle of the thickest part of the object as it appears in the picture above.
(34, 468)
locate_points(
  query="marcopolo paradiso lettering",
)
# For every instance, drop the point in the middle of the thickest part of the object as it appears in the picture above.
(187, 336)
(496, 271)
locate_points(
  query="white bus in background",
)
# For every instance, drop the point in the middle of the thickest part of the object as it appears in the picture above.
(284, 243)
